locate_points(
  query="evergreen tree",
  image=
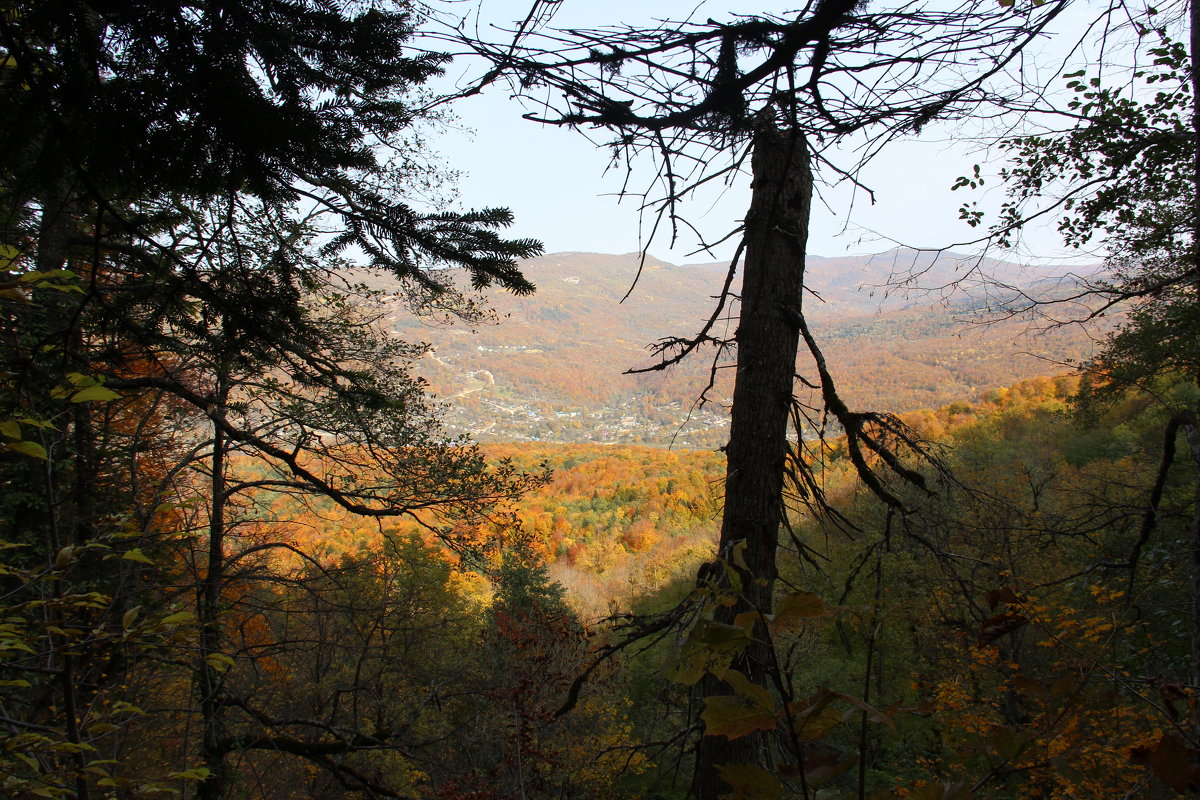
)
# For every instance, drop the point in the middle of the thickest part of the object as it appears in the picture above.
(173, 210)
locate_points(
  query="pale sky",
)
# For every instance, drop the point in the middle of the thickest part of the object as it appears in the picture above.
(562, 188)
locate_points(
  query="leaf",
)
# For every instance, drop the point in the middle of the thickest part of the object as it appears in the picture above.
(997, 626)
(94, 394)
(795, 608)
(32, 449)
(686, 666)
(747, 620)
(742, 685)
(749, 782)
(136, 554)
(121, 706)
(65, 557)
(734, 716)
(11, 429)
(718, 635)
(873, 713)
(218, 662)
(178, 618)
(8, 253)
(130, 616)
(193, 774)
(813, 718)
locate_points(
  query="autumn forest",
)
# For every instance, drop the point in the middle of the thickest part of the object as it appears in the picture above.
(317, 485)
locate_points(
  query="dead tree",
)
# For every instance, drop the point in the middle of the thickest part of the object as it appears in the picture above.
(699, 97)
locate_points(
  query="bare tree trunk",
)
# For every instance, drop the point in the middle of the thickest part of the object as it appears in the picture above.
(209, 610)
(767, 340)
(1191, 432)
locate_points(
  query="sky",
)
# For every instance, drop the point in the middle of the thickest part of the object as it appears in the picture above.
(562, 188)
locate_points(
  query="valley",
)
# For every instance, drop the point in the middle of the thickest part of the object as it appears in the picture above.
(554, 366)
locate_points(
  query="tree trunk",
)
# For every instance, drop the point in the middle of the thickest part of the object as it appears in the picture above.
(208, 607)
(1193, 435)
(767, 340)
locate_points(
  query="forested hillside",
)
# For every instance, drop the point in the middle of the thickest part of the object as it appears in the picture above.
(553, 367)
(998, 634)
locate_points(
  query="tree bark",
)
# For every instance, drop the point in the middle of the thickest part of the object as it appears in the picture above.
(767, 341)
(1192, 434)
(209, 616)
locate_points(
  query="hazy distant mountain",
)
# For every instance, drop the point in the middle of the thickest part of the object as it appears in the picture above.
(904, 278)
(552, 367)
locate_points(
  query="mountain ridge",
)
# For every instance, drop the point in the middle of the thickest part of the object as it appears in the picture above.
(554, 367)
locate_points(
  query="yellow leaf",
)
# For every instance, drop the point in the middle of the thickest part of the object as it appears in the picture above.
(795, 608)
(64, 557)
(11, 429)
(742, 685)
(734, 716)
(136, 554)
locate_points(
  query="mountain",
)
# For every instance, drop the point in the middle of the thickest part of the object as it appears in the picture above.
(553, 366)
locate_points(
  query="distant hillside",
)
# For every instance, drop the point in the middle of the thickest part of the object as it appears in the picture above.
(553, 367)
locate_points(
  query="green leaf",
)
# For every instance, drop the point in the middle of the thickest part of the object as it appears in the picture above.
(130, 616)
(178, 618)
(718, 635)
(193, 774)
(31, 449)
(65, 557)
(11, 429)
(686, 666)
(8, 253)
(94, 394)
(219, 662)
